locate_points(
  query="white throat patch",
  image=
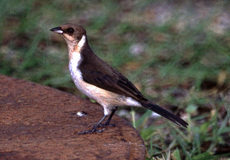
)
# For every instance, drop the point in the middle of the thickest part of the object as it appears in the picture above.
(81, 42)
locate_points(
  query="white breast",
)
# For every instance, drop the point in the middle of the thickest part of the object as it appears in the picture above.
(74, 62)
(77, 75)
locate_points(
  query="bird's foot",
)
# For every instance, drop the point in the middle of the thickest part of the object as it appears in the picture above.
(93, 130)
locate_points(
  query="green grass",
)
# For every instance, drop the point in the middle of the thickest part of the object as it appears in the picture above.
(182, 62)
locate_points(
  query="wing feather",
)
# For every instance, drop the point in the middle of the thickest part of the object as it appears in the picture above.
(110, 79)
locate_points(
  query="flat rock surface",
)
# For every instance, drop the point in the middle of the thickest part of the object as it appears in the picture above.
(39, 122)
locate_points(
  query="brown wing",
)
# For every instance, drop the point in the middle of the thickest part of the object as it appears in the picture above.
(100, 74)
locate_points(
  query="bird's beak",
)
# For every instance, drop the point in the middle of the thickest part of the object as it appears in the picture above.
(57, 30)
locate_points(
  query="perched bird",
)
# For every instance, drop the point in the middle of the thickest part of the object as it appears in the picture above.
(99, 81)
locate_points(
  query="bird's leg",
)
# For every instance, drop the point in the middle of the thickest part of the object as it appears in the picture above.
(110, 117)
(94, 129)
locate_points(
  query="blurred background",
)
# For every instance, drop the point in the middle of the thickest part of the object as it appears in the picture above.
(176, 52)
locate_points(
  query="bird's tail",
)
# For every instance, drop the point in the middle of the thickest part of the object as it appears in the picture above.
(164, 113)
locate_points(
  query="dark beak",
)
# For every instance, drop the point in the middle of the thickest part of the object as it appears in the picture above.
(57, 30)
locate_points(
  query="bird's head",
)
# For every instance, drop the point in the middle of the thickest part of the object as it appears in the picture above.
(72, 33)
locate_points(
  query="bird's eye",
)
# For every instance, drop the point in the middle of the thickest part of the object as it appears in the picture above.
(70, 30)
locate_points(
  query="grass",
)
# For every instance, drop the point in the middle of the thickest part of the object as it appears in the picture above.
(171, 55)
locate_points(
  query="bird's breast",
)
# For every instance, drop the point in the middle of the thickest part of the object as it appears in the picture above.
(102, 96)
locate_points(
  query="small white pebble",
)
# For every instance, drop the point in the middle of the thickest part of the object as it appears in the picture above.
(81, 114)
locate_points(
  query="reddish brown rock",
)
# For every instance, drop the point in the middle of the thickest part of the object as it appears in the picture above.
(38, 122)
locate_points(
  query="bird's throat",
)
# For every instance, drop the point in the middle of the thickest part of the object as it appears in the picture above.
(76, 48)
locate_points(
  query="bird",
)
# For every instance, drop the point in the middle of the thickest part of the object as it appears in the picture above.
(99, 81)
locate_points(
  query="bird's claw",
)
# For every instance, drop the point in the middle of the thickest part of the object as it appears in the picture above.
(94, 130)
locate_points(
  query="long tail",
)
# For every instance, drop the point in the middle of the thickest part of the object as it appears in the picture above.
(164, 113)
